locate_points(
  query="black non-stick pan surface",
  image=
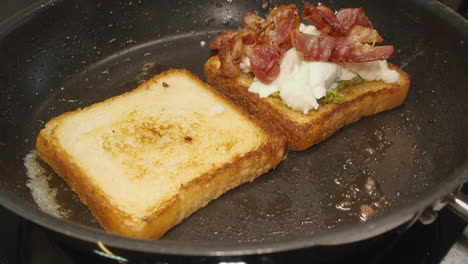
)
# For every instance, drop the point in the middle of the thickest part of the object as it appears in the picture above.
(369, 177)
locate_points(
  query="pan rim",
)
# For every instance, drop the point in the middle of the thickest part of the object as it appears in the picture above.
(352, 233)
(359, 231)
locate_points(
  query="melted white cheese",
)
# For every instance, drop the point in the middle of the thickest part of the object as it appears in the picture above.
(309, 29)
(245, 64)
(301, 83)
(374, 71)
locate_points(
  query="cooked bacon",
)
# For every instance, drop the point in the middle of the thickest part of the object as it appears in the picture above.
(365, 52)
(364, 34)
(265, 62)
(262, 40)
(349, 17)
(333, 24)
(230, 55)
(312, 14)
(343, 50)
(273, 40)
(323, 18)
(252, 20)
(345, 38)
(316, 48)
(248, 39)
(216, 42)
(351, 28)
(279, 25)
(327, 48)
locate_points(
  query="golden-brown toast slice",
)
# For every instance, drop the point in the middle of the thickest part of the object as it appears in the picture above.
(145, 160)
(304, 130)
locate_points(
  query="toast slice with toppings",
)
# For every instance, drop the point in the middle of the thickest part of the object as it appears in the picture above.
(145, 160)
(304, 130)
(295, 67)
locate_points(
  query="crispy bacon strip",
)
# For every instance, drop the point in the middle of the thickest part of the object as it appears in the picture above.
(345, 37)
(333, 24)
(364, 34)
(323, 18)
(265, 62)
(350, 27)
(279, 25)
(363, 53)
(262, 40)
(315, 48)
(230, 55)
(349, 17)
(252, 20)
(216, 42)
(274, 40)
(328, 48)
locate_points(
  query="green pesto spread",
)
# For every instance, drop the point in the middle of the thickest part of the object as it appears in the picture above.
(354, 81)
(333, 96)
(275, 94)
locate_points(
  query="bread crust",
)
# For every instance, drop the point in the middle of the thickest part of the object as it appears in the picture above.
(192, 196)
(304, 130)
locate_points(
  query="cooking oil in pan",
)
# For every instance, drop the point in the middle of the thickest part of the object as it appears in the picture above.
(43, 194)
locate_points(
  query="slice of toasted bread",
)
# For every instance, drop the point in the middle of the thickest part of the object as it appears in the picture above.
(304, 130)
(145, 160)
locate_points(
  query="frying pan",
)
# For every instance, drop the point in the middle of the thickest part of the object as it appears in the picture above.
(61, 55)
